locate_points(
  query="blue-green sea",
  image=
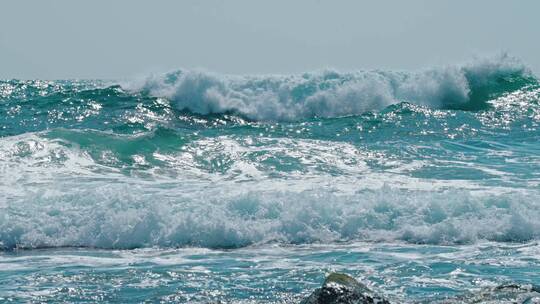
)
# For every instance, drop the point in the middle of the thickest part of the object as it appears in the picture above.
(198, 187)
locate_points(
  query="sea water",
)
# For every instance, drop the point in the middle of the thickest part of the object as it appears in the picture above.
(199, 187)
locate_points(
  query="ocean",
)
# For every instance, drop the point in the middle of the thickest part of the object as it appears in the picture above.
(198, 187)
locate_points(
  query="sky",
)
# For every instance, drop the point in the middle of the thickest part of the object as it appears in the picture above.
(112, 39)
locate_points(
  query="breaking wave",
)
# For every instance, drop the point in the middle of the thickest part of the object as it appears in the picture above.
(122, 216)
(172, 161)
(334, 94)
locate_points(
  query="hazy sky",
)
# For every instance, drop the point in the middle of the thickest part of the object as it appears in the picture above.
(117, 39)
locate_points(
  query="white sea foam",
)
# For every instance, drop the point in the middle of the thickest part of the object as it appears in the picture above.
(55, 193)
(326, 93)
(109, 215)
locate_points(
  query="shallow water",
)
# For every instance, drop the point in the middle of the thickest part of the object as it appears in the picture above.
(269, 274)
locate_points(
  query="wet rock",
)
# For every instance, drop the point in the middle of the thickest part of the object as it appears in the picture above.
(508, 293)
(340, 288)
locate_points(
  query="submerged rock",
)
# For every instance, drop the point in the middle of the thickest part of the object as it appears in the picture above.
(340, 288)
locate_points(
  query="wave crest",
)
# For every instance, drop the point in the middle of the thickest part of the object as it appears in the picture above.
(332, 93)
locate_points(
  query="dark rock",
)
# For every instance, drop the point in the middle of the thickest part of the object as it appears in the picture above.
(340, 288)
(508, 293)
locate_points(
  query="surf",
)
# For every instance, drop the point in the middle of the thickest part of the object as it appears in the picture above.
(333, 94)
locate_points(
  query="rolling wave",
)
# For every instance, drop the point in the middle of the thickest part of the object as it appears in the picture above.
(441, 156)
(334, 94)
(183, 98)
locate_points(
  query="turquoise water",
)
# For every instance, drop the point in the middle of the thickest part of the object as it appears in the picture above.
(199, 187)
